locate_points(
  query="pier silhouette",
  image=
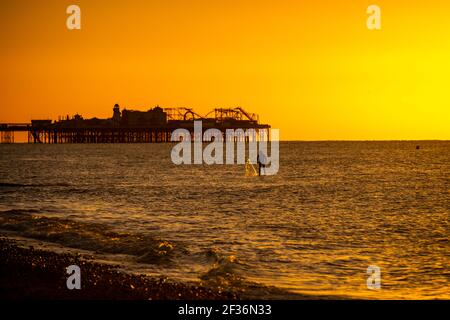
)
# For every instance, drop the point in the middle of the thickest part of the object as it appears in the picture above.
(130, 126)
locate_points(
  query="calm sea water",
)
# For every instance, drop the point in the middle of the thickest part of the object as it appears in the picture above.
(333, 209)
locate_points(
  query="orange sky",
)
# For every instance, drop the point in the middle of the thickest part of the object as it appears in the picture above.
(311, 69)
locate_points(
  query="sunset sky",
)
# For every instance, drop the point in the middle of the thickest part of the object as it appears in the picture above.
(310, 68)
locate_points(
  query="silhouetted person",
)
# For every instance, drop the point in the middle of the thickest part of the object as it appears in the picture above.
(261, 160)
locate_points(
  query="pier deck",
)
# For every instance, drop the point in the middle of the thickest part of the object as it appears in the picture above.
(131, 127)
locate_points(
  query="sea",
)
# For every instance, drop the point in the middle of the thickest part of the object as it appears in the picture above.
(342, 219)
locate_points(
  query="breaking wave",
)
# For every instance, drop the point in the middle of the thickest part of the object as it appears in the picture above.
(227, 270)
(89, 236)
